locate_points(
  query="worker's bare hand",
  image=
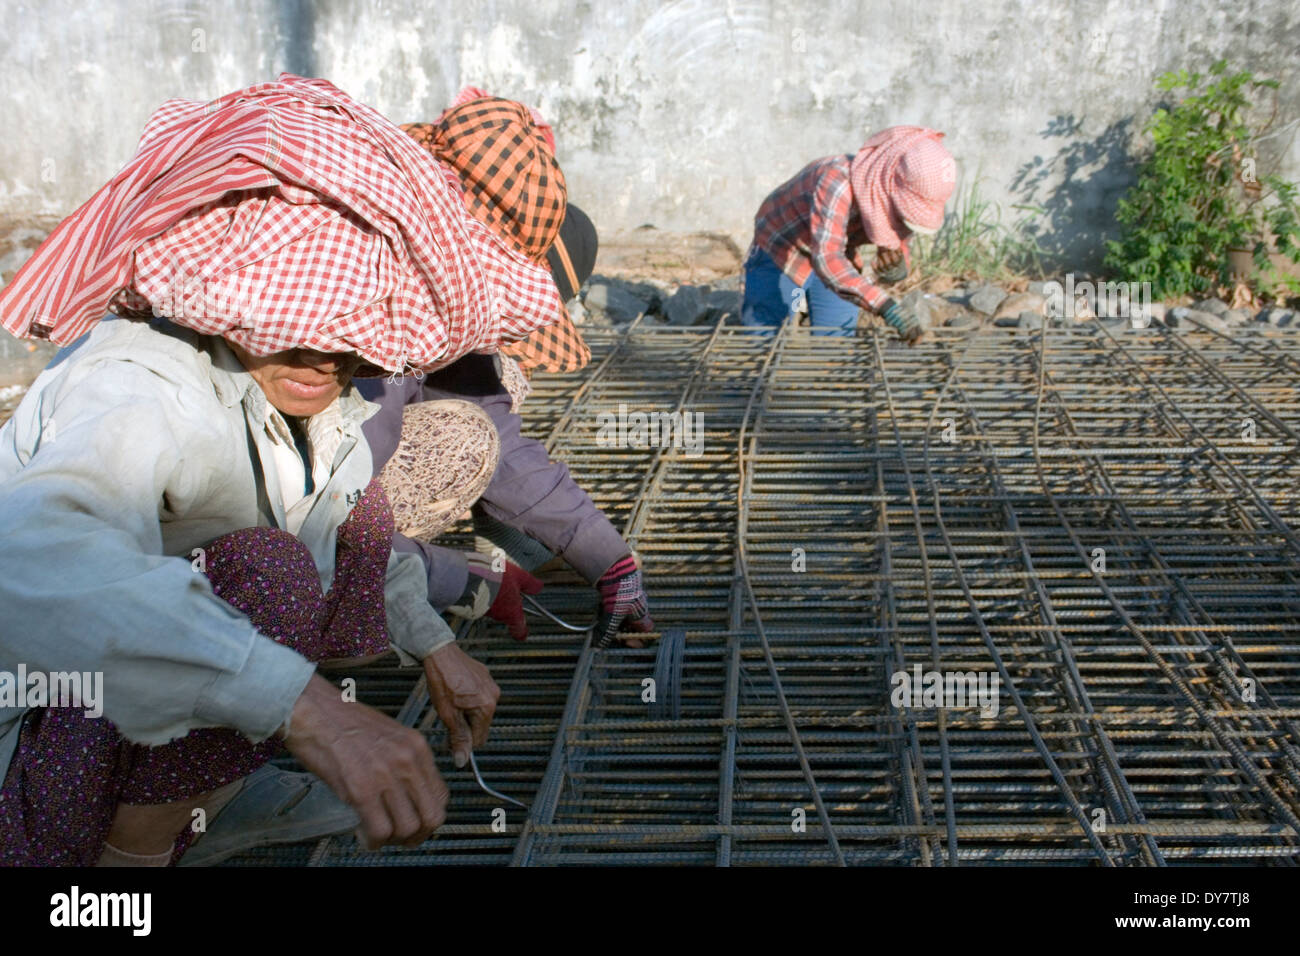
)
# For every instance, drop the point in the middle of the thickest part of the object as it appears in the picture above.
(889, 266)
(887, 259)
(383, 770)
(465, 697)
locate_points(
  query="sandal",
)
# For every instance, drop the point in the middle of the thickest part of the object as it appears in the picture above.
(274, 806)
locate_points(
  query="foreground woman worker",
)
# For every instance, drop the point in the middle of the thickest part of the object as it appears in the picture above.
(807, 233)
(186, 499)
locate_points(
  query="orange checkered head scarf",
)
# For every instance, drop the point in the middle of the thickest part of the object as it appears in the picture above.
(509, 173)
(512, 184)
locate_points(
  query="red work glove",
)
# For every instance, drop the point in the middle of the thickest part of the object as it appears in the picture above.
(624, 605)
(508, 608)
(498, 594)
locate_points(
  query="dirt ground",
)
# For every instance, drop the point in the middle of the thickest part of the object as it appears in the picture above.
(649, 255)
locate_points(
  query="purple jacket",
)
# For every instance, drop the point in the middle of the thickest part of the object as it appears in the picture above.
(528, 491)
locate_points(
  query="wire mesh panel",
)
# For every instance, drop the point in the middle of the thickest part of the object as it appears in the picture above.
(995, 598)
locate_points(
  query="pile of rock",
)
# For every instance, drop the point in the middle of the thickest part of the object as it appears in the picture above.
(977, 306)
(988, 304)
(1216, 314)
(616, 301)
(610, 300)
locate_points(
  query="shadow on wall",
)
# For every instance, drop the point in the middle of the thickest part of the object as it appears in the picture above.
(298, 28)
(1090, 177)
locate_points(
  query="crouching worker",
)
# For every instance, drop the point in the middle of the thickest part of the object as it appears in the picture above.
(451, 440)
(187, 503)
(806, 235)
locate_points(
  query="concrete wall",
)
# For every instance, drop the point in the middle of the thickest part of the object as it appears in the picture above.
(682, 114)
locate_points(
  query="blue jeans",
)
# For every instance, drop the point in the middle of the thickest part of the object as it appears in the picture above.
(771, 296)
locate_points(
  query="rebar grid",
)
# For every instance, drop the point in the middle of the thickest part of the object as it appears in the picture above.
(861, 508)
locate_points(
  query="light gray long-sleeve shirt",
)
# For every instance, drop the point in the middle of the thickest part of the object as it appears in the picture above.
(142, 445)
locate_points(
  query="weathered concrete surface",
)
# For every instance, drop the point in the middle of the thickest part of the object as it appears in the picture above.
(681, 114)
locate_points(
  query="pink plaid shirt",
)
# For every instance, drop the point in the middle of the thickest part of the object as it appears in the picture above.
(811, 224)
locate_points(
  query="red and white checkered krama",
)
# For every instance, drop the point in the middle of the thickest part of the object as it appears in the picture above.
(286, 215)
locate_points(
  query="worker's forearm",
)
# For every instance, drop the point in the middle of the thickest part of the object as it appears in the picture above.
(82, 591)
(841, 278)
(445, 569)
(413, 625)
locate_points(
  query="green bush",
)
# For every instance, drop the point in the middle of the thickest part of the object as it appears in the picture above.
(1191, 203)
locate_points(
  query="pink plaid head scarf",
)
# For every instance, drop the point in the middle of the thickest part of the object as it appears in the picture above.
(281, 216)
(902, 174)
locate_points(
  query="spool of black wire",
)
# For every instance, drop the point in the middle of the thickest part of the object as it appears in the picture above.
(667, 704)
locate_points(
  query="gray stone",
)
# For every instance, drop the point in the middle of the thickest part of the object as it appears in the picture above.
(963, 322)
(923, 304)
(1277, 316)
(1212, 306)
(1007, 322)
(1114, 326)
(1038, 288)
(987, 298)
(1156, 311)
(941, 309)
(1235, 317)
(616, 301)
(1192, 318)
(1030, 321)
(724, 301)
(686, 306)
(1021, 302)
(653, 292)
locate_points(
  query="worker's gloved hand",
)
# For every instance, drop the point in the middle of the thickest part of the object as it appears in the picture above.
(481, 587)
(508, 608)
(497, 594)
(890, 266)
(624, 605)
(903, 320)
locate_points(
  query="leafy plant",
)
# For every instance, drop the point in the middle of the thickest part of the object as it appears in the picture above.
(1197, 195)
